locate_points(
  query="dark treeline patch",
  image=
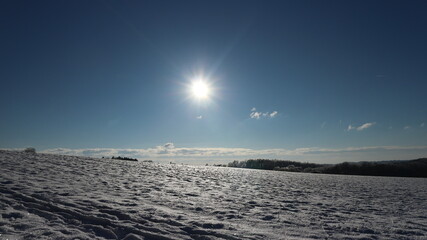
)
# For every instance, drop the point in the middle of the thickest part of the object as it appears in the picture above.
(406, 168)
(280, 165)
(411, 168)
(125, 158)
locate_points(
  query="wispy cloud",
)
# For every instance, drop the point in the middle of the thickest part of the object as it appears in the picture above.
(273, 114)
(422, 124)
(323, 125)
(361, 127)
(257, 115)
(407, 127)
(365, 126)
(199, 117)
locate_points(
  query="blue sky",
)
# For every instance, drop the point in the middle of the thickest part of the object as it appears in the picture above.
(320, 81)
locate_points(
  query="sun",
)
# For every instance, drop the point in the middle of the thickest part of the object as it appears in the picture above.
(200, 89)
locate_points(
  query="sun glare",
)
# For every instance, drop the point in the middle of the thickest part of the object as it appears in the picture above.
(200, 89)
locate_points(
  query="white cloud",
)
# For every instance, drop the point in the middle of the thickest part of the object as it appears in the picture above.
(255, 115)
(361, 127)
(258, 115)
(365, 126)
(273, 114)
(406, 127)
(199, 117)
(169, 152)
(169, 145)
(422, 124)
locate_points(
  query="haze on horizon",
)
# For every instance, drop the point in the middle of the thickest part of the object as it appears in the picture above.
(214, 81)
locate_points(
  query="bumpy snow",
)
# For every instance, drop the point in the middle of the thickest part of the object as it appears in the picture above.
(64, 197)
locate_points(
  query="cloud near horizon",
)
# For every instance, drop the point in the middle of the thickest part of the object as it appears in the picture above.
(169, 151)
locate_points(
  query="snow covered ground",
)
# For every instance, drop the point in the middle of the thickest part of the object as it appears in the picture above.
(64, 197)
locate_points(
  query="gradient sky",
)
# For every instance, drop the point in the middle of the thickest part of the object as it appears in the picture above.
(319, 81)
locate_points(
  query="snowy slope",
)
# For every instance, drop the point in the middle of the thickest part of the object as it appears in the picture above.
(64, 197)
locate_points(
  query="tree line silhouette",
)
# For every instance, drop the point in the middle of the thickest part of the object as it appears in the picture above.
(125, 158)
(407, 168)
(411, 168)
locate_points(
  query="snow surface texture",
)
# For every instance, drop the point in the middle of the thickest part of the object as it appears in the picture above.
(64, 197)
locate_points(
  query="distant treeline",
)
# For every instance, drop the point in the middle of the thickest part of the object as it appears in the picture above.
(269, 164)
(409, 168)
(125, 158)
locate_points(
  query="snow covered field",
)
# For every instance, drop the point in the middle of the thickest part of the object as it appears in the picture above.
(64, 197)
